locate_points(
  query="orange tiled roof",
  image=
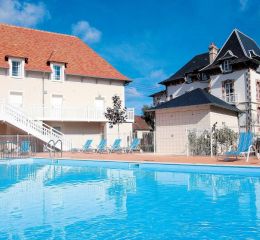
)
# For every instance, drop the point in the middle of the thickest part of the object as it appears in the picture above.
(140, 124)
(40, 47)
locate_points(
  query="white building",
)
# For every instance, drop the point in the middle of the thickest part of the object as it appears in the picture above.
(54, 86)
(231, 74)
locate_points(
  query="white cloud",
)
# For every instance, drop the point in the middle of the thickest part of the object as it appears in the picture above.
(158, 75)
(22, 13)
(133, 92)
(86, 32)
(243, 4)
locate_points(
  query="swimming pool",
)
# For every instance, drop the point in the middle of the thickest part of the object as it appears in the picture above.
(65, 199)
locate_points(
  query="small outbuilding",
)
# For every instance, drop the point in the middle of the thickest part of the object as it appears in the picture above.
(196, 109)
(140, 127)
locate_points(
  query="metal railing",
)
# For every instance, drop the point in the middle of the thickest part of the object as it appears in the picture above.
(53, 148)
(19, 146)
(231, 98)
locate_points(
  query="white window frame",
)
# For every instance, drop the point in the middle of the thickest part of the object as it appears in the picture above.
(226, 66)
(257, 90)
(62, 74)
(21, 61)
(230, 96)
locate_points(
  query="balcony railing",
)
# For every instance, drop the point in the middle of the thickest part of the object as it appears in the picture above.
(231, 98)
(89, 114)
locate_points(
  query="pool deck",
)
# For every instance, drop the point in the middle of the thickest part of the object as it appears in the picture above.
(149, 157)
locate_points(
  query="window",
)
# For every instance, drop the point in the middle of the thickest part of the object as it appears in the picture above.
(258, 90)
(16, 68)
(226, 66)
(188, 79)
(203, 77)
(258, 115)
(229, 91)
(57, 72)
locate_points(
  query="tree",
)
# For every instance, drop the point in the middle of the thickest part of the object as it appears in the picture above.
(116, 115)
(148, 116)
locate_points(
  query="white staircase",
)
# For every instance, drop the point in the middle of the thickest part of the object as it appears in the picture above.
(42, 131)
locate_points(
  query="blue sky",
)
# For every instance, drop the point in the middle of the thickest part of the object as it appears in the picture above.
(147, 40)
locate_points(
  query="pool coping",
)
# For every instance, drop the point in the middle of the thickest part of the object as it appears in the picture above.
(153, 162)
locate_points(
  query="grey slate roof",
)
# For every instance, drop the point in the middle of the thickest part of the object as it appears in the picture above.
(157, 93)
(196, 97)
(248, 43)
(240, 46)
(195, 64)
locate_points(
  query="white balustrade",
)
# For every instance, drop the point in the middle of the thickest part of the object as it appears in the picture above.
(89, 114)
(231, 98)
(18, 118)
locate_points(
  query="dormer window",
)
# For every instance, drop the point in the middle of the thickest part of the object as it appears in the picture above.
(226, 66)
(57, 72)
(16, 68)
(188, 79)
(203, 77)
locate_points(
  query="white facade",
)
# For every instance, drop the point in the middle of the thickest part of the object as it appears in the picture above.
(177, 90)
(246, 94)
(74, 106)
(172, 125)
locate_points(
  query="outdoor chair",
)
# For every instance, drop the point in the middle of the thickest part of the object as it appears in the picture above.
(87, 146)
(245, 146)
(102, 146)
(134, 146)
(116, 147)
(25, 147)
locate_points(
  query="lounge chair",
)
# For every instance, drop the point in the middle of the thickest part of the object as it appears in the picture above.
(245, 146)
(116, 147)
(102, 146)
(87, 146)
(134, 146)
(25, 147)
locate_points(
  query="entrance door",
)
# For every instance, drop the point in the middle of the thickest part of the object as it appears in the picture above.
(16, 99)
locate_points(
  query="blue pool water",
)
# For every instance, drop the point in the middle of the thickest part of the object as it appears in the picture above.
(41, 199)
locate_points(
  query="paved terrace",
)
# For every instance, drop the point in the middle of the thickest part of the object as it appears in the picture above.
(145, 157)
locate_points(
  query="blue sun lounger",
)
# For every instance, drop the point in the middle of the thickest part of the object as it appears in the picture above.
(25, 147)
(245, 146)
(87, 146)
(134, 146)
(116, 147)
(102, 146)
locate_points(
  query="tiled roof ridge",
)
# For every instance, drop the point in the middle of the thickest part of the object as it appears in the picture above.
(37, 45)
(37, 30)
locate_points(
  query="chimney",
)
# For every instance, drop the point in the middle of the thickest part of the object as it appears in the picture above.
(213, 51)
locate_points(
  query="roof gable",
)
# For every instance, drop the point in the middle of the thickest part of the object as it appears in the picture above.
(238, 47)
(40, 47)
(196, 97)
(232, 44)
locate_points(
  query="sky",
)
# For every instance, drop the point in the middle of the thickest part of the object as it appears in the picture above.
(146, 40)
